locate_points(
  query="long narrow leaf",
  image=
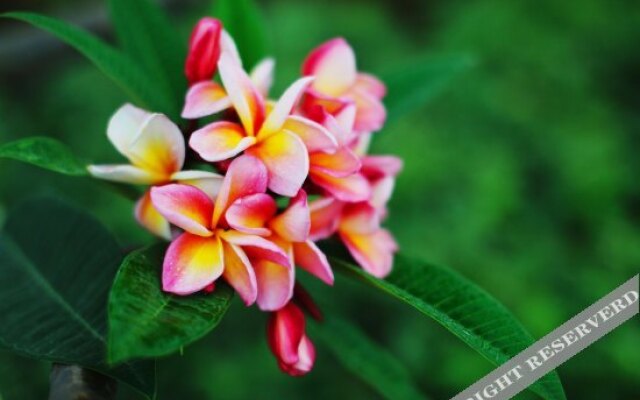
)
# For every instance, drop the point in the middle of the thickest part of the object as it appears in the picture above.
(53, 155)
(463, 308)
(148, 37)
(46, 153)
(116, 65)
(366, 359)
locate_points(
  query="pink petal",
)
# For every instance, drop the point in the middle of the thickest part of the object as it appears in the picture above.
(315, 136)
(257, 248)
(294, 223)
(370, 84)
(341, 124)
(306, 359)
(275, 284)
(208, 182)
(315, 105)
(373, 252)
(125, 173)
(159, 146)
(283, 107)
(239, 273)
(310, 258)
(343, 162)
(359, 218)
(334, 66)
(250, 214)
(244, 96)
(191, 264)
(361, 145)
(346, 118)
(371, 114)
(220, 141)
(184, 206)
(245, 176)
(150, 218)
(124, 126)
(262, 76)
(381, 191)
(325, 217)
(286, 159)
(203, 99)
(229, 48)
(353, 188)
(377, 167)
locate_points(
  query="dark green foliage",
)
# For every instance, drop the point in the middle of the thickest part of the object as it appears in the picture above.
(56, 267)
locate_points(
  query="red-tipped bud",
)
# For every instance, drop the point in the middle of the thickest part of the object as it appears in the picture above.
(288, 341)
(204, 50)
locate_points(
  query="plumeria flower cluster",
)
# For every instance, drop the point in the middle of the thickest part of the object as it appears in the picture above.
(288, 173)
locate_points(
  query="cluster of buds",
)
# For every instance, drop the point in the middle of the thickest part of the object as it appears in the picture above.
(282, 175)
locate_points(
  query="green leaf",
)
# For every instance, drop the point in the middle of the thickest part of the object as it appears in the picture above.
(366, 359)
(242, 19)
(56, 267)
(148, 37)
(112, 62)
(415, 84)
(46, 153)
(55, 156)
(147, 322)
(463, 308)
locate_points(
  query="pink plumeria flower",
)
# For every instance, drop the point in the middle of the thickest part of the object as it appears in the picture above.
(358, 226)
(289, 230)
(280, 140)
(338, 84)
(289, 342)
(215, 244)
(155, 149)
(338, 172)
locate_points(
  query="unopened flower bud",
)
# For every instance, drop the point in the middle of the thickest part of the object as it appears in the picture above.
(204, 50)
(288, 341)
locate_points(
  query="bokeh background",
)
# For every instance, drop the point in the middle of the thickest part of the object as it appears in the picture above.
(524, 176)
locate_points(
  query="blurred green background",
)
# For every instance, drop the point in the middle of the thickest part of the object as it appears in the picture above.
(523, 176)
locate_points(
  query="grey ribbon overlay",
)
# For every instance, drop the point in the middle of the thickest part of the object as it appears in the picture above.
(558, 346)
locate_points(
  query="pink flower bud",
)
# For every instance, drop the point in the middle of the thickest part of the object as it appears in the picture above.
(204, 50)
(288, 341)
